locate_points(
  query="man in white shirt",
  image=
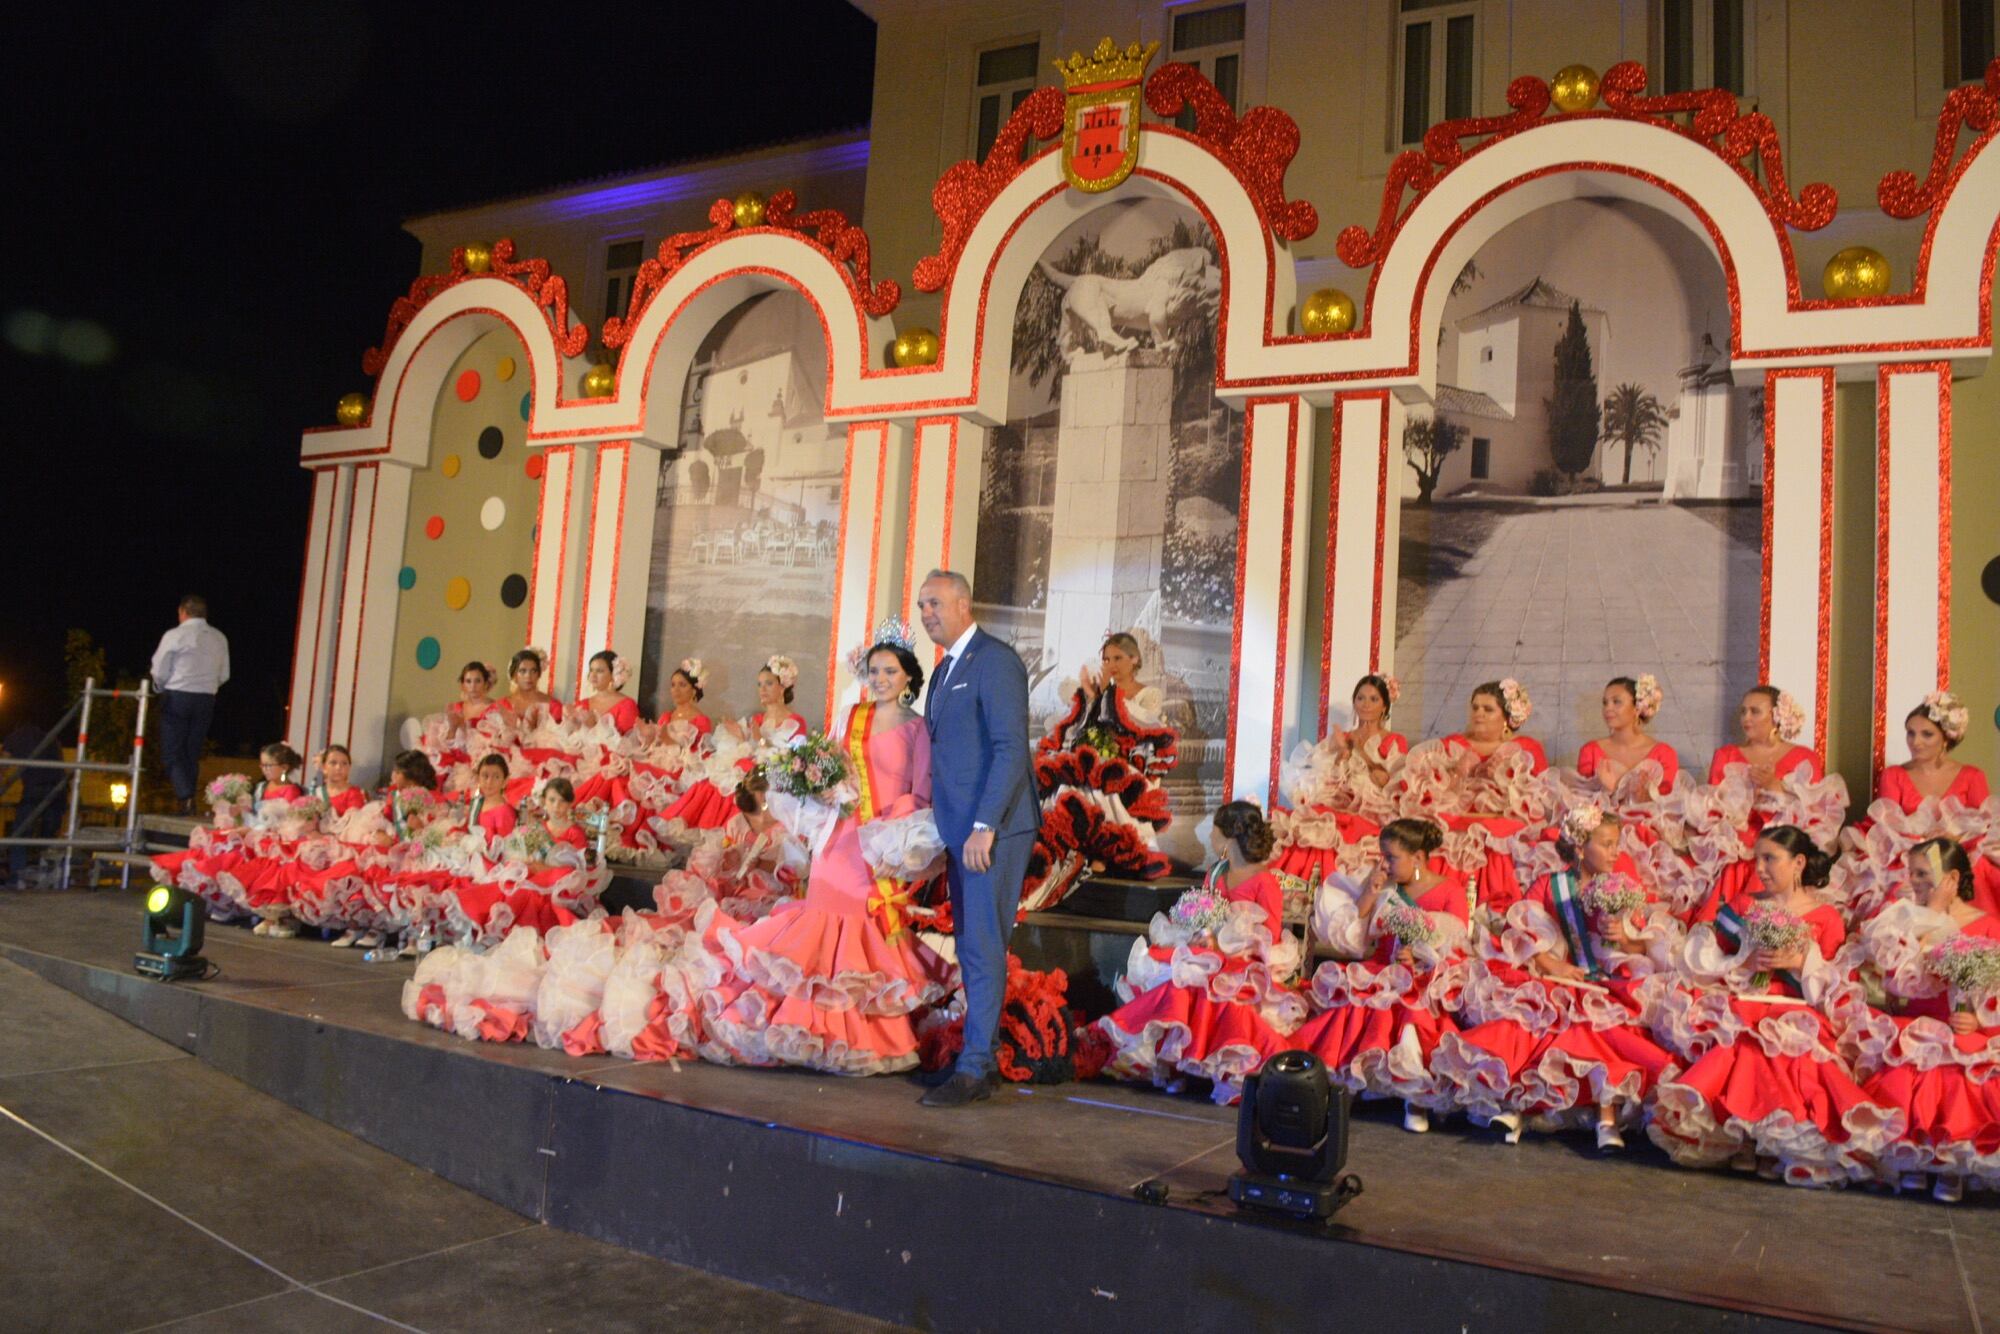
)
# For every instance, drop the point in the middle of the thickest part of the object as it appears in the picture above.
(189, 666)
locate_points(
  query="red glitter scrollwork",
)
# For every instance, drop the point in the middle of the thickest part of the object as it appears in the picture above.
(653, 274)
(966, 188)
(1975, 107)
(847, 243)
(1259, 146)
(548, 291)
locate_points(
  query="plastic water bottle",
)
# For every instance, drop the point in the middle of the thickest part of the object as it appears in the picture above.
(385, 953)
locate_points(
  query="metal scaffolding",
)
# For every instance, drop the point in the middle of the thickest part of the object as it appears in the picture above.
(74, 836)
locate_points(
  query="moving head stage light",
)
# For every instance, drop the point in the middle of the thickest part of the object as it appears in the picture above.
(1291, 1136)
(175, 922)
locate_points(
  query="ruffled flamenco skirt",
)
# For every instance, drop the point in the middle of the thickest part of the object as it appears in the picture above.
(1217, 1030)
(1377, 1029)
(1946, 1086)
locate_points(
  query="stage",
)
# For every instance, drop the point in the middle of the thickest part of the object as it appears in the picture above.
(1020, 1212)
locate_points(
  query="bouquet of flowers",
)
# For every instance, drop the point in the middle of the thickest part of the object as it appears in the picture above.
(1611, 897)
(409, 807)
(1103, 739)
(232, 790)
(1199, 910)
(1969, 966)
(1407, 923)
(812, 766)
(1774, 929)
(529, 842)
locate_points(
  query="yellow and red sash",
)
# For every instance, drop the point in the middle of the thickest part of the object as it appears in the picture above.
(890, 902)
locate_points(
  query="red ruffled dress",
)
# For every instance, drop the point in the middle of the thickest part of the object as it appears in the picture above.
(1872, 863)
(833, 981)
(1506, 787)
(1765, 1069)
(1337, 810)
(709, 802)
(1554, 1049)
(304, 876)
(1378, 1021)
(1214, 1006)
(236, 864)
(1739, 878)
(1097, 774)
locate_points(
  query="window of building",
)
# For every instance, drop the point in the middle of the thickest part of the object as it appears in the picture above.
(1969, 40)
(1701, 44)
(1486, 353)
(1212, 41)
(1482, 458)
(621, 271)
(1436, 69)
(1006, 76)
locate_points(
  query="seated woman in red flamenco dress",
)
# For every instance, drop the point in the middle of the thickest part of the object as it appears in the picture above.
(1341, 791)
(1098, 772)
(1930, 795)
(1388, 995)
(603, 724)
(1484, 786)
(1628, 766)
(474, 724)
(709, 801)
(525, 698)
(1206, 996)
(238, 864)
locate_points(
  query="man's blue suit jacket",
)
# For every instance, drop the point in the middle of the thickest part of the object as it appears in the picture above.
(978, 721)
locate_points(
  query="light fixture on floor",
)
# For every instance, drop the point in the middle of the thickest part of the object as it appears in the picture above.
(175, 922)
(1291, 1136)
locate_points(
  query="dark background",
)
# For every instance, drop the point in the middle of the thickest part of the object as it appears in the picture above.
(204, 217)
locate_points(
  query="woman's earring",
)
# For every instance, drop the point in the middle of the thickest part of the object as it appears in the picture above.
(909, 696)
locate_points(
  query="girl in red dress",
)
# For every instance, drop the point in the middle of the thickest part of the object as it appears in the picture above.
(709, 803)
(605, 720)
(1924, 1049)
(327, 855)
(1930, 795)
(1558, 1035)
(473, 724)
(393, 891)
(281, 816)
(1380, 1017)
(1766, 1088)
(1209, 999)
(1628, 766)
(1341, 792)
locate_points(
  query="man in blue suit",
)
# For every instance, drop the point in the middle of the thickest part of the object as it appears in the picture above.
(983, 792)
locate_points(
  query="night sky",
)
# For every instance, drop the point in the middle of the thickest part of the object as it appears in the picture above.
(205, 210)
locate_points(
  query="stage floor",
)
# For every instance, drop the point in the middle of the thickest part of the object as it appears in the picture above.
(1548, 1208)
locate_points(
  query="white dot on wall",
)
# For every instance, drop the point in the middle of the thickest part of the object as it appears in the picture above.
(493, 513)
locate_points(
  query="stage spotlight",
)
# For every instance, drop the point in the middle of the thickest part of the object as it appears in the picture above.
(175, 922)
(1291, 1136)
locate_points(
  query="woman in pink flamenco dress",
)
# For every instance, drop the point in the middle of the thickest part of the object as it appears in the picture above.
(835, 980)
(1341, 792)
(1379, 1018)
(1208, 995)
(1556, 1034)
(1484, 785)
(1627, 766)
(1766, 1088)
(1921, 1044)
(1930, 795)
(709, 802)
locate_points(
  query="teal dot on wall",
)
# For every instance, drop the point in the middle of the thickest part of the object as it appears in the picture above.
(427, 652)
(524, 404)
(406, 578)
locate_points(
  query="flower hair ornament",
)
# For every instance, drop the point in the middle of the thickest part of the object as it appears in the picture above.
(1949, 713)
(621, 671)
(1648, 696)
(692, 669)
(540, 655)
(1789, 717)
(1580, 822)
(892, 630)
(1514, 702)
(783, 668)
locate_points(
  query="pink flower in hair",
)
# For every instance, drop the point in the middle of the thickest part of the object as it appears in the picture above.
(692, 669)
(1952, 717)
(1649, 696)
(1789, 717)
(1515, 702)
(621, 671)
(784, 669)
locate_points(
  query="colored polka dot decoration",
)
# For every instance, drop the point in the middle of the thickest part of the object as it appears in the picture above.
(525, 400)
(513, 590)
(450, 465)
(457, 592)
(505, 370)
(406, 578)
(535, 466)
(467, 387)
(1989, 579)
(434, 527)
(490, 441)
(427, 652)
(493, 513)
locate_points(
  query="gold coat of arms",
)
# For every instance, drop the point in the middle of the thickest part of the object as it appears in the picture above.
(1100, 144)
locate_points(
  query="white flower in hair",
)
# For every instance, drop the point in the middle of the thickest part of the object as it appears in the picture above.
(1580, 822)
(621, 670)
(1395, 688)
(1515, 703)
(784, 669)
(1789, 716)
(540, 656)
(692, 669)
(1952, 717)
(1649, 696)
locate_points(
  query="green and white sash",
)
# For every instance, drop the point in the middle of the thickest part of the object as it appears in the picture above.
(1566, 893)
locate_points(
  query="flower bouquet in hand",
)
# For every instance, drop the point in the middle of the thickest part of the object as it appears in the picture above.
(1612, 898)
(1199, 911)
(1409, 924)
(1969, 966)
(810, 788)
(229, 796)
(1776, 931)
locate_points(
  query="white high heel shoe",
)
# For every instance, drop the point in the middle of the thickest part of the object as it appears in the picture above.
(1416, 1120)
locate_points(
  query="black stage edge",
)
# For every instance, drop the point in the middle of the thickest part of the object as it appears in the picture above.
(1019, 1214)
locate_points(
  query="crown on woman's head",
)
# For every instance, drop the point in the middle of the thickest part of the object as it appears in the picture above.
(892, 630)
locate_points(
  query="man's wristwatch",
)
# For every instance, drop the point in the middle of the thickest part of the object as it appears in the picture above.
(980, 826)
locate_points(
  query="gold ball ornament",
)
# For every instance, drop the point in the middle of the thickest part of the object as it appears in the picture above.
(748, 209)
(1327, 311)
(600, 381)
(478, 258)
(352, 409)
(1857, 271)
(1575, 88)
(916, 347)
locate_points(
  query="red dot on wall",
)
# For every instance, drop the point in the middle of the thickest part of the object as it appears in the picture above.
(434, 527)
(536, 466)
(468, 386)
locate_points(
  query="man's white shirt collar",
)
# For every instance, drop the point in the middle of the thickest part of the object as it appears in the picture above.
(958, 645)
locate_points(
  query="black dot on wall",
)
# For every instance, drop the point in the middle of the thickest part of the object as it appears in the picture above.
(490, 441)
(513, 590)
(1989, 579)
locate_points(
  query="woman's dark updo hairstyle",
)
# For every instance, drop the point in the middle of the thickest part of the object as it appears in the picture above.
(335, 748)
(416, 766)
(1381, 684)
(563, 788)
(904, 657)
(1952, 858)
(1796, 842)
(1626, 684)
(280, 753)
(692, 683)
(1769, 692)
(1492, 691)
(610, 661)
(749, 788)
(1243, 824)
(1419, 836)
(485, 672)
(524, 655)
(789, 692)
(1950, 742)
(494, 761)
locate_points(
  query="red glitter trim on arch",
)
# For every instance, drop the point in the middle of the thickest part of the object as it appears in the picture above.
(1258, 147)
(532, 276)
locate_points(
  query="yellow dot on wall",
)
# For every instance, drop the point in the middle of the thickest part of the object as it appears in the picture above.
(450, 465)
(457, 592)
(505, 370)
